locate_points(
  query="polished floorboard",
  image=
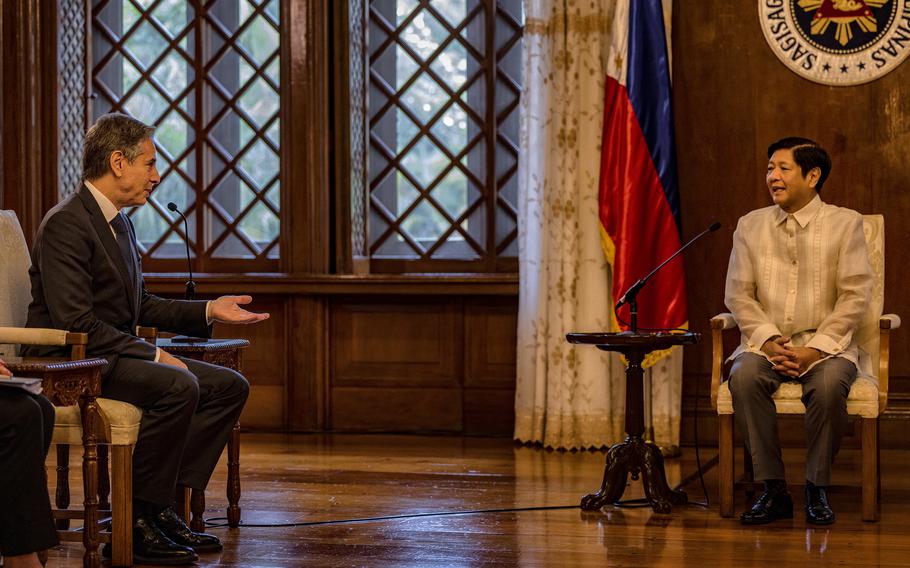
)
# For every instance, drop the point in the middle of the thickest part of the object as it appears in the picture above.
(383, 500)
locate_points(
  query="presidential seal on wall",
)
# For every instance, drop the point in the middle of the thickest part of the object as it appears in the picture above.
(838, 42)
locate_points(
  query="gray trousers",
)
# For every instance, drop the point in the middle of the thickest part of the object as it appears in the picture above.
(825, 390)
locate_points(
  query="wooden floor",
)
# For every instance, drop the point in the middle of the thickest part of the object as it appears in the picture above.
(331, 481)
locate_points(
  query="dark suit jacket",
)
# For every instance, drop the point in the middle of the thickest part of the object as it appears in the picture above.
(80, 283)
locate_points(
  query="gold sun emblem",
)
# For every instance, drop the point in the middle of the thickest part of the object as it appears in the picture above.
(842, 13)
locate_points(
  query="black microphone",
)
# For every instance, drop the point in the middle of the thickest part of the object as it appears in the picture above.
(190, 286)
(634, 289)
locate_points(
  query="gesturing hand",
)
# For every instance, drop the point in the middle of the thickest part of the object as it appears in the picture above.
(4, 372)
(226, 309)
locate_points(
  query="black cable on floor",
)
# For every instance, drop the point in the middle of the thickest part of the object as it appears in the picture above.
(701, 477)
(209, 522)
(640, 503)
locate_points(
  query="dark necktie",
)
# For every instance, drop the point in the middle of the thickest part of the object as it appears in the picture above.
(124, 241)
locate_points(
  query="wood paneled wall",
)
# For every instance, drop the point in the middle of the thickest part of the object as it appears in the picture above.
(424, 363)
(437, 363)
(732, 98)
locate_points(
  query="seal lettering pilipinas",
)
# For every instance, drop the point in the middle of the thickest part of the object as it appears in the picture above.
(838, 42)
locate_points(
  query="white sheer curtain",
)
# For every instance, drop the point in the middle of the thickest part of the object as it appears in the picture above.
(570, 396)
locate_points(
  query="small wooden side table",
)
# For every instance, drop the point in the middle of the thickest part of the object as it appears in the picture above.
(226, 353)
(634, 456)
(65, 383)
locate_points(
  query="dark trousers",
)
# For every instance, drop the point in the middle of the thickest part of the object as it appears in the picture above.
(26, 427)
(187, 417)
(825, 390)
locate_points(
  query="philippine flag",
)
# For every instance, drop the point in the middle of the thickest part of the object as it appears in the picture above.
(639, 197)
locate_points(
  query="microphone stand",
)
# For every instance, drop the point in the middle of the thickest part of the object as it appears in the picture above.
(631, 298)
(190, 293)
(631, 295)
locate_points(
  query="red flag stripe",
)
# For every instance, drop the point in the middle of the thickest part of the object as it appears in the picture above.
(637, 218)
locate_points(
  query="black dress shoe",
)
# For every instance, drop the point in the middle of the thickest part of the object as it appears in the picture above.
(818, 511)
(775, 503)
(175, 528)
(151, 546)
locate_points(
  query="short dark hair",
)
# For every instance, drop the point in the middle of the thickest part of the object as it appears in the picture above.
(110, 133)
(807, 154)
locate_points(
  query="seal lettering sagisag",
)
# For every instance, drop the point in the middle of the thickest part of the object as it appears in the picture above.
(838, 42)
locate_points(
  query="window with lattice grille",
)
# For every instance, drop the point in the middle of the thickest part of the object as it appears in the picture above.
(71, 68)
(443, 96)
(206, 74)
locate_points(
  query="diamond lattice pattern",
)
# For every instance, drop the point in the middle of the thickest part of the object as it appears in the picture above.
(71, 50)
(208, 80)
(439, 158)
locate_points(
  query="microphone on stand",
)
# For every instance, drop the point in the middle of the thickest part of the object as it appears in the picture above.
(190, 285)
(630, 296)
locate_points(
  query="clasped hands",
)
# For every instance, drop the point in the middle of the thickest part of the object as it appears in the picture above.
(789, 360)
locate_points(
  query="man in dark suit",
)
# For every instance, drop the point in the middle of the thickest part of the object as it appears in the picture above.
(86, 276)
(26, 524)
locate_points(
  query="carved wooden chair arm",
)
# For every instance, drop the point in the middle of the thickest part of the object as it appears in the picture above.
(885, 324)
(149, 334)
(719, 323)
(45, 336)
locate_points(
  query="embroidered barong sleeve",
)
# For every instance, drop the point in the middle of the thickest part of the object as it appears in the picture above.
(854, 288)
(740, 295)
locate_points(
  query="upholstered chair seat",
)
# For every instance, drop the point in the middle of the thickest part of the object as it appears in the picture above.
(119, 423)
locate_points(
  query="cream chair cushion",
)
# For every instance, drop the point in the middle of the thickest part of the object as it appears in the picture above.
(119, 424)
(862, 400)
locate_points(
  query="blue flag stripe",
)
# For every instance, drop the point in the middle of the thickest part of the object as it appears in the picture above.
(648, 85)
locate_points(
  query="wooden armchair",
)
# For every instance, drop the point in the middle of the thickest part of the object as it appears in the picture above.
(868, 396)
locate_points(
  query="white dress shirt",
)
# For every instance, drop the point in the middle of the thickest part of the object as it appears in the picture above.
(108, 209)
(805, 275)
